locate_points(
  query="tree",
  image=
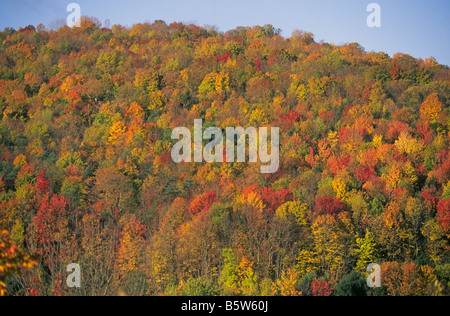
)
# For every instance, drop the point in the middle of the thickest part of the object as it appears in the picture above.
(431, 108)
(202, 203)
(329, 246)
(408, 279)
(51, 220)
(366, 251)
(321, 288)
(199, 287)
(353, 284)
(443, 209)
(286, 286)
(229, 276)
(12, 260)
(329, 206)
(131, 246)
(197, 251)
(274, 199)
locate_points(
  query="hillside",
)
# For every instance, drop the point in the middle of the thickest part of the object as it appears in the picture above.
(86, 174)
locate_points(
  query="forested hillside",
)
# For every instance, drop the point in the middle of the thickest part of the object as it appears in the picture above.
(86, 174)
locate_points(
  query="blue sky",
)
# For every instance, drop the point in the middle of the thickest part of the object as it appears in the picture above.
(419, 28)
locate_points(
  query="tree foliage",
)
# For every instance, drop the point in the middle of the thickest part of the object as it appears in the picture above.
(86, 175)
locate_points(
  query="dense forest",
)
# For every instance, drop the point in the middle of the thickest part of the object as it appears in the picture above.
(86, 174)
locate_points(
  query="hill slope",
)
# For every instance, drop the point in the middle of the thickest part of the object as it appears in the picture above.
(87, 177)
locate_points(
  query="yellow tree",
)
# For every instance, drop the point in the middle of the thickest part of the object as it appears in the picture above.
(334, 243)
(393, 237)
(131, 245)
(340, 188)
(197, 250)
(431, 108)
(237, 279)
(286, 286)
(366, 251)
(298, 209)
(162, 251)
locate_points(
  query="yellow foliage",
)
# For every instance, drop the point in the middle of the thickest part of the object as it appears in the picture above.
(392, 178)
(157, 101)
(431, 108)
(286, 285)
(328, 243)
(208, 48)
(131, 245)
(333, 138)
(164, 121)
(253, 199)
(214, 83)
(20, 160)
(148, 80)
(257, 118)
(340, 188)
(377, 141)
(71, 82)
(406, 144)
(116, 131)
(307, 261)
(296, 208)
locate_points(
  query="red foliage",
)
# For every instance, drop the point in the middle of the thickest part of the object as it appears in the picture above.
(26, 171)
(321, 288)
(48, 218)
(367, 91)
(400, 194)
(328, 117)
(258, 65)
(344, 134)
(274, 199)
(442, 173)
(42, 187)
(251, 189)
(395, 72)
(42, 183)
(166, 158)
(443, 209)
(429, 197)
(395, 129)
(292, 117)
(336, 164)
(364, 174)
(202, 203)
(311, 159)
(330, 205)
(74, 95)
(424, 130)
(134, 227)
(287, 120)
(343, 162)
(370, 158)
(27, 29)
(224, 58)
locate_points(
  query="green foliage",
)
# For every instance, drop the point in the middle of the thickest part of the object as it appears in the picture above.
(199, 287)
(353, 284)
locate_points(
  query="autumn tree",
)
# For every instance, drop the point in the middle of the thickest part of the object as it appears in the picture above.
(431, 108)
(12, 260)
